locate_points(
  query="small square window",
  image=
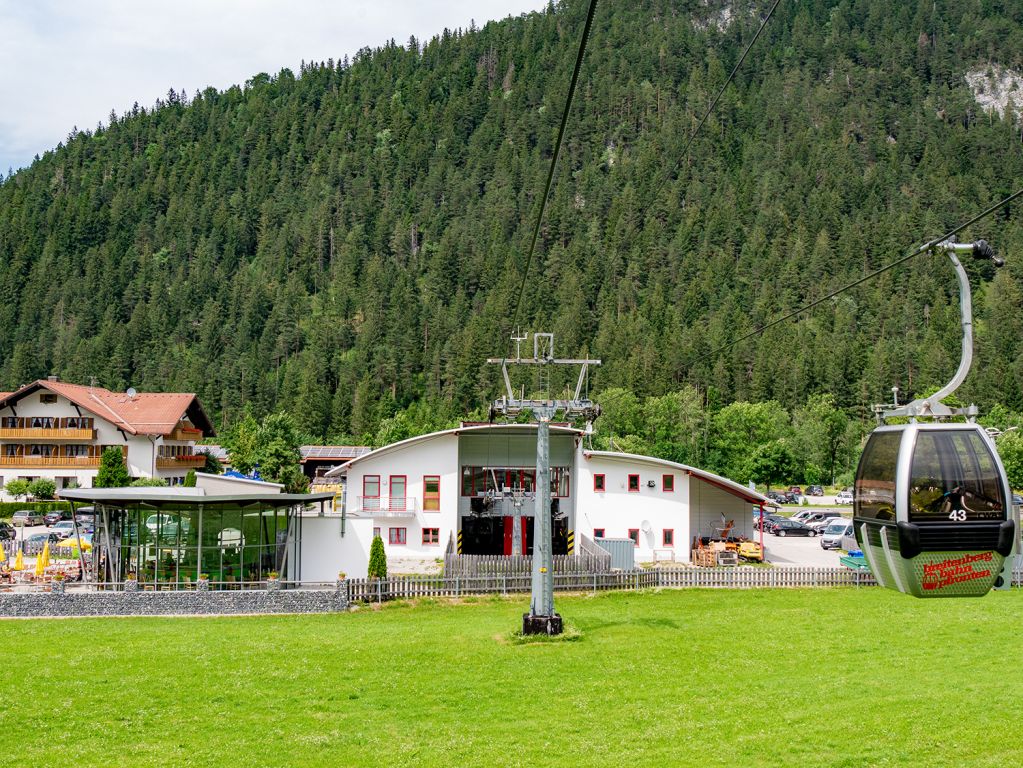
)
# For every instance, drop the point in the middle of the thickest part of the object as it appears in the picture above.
(396, 535)
(598, 483)
(668, 483)
(48, 398)
(431, 536)
(633, 483)
(668, 537)
(634, 535)
(598, 533)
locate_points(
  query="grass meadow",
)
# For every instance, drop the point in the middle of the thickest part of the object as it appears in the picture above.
(824, 677)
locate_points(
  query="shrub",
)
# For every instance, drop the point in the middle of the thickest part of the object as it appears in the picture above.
(377, 559)
(42, 488)
(17, 488)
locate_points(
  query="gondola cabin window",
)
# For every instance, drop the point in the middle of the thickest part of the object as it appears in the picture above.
(954, 479)
(875, 483)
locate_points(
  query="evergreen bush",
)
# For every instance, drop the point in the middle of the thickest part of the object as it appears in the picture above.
(377, 559)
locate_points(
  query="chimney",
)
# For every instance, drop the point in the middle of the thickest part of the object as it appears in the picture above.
(52, 377)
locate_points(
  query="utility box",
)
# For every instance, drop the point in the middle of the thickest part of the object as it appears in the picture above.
(622, 551)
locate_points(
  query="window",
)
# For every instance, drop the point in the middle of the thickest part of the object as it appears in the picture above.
(668, 537)
(396, 492)
(376, 533)
(633, 483)
(668, 483)
(598, 483)
(634, 535)
(954, 478)
(431, 493)
(598, 533)
(371, 492)
(396, 535)
(48, 397)
(875, 483)
(559, 482)
(431, 536)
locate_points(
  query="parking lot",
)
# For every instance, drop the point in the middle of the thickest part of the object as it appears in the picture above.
(800, 550)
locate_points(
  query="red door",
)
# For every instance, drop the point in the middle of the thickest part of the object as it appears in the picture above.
(509, 534)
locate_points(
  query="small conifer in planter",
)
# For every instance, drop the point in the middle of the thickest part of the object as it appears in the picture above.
(377, 559)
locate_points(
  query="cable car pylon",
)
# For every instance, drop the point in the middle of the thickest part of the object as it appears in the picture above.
(932, 508)
(542, 619)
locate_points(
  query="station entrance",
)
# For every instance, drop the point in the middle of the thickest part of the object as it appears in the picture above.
(494, 535)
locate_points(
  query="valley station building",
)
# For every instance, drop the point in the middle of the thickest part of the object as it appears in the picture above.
(470, 490)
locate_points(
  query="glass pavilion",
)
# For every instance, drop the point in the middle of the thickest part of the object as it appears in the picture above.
(167, 539)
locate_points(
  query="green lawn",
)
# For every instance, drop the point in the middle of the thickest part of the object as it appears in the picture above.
(840, 677)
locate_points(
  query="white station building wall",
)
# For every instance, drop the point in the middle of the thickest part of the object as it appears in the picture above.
(415, 460)
(649, 511)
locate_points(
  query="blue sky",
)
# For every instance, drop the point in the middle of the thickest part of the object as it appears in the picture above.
(66, 63)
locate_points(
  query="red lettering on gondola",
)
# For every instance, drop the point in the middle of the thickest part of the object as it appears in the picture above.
(956, 570)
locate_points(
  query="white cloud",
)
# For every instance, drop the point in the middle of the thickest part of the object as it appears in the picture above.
(65, 63)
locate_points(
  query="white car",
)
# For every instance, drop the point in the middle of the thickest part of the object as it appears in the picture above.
(64, 528)
(821, 525)
(844, 497)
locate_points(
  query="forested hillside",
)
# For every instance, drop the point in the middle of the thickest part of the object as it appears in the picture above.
(346, 241)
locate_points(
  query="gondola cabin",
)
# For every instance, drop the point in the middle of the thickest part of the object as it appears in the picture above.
(932, 510)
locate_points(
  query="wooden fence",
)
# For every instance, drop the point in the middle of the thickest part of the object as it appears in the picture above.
(522, 565)
(401, 587)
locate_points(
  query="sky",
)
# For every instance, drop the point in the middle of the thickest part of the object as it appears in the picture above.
(67, 63)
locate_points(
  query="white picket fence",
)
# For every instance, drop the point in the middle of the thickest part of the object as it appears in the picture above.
(400, 587)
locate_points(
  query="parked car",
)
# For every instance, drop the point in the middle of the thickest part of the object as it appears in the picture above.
(86, 515)
(41, 538)
(837, 529)
(778, 497)
(802, 514)
(821, 525)
(64, 528)
(55, 516)
(814, 490)
(7, 531)
(818, 514)
(769, 520)
(27, 517)
(796, 490)
(844, 497)
(791, 528)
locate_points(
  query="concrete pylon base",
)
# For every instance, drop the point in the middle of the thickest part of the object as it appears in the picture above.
(542, 625)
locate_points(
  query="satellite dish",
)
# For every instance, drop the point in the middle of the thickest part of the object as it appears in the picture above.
(645, 525)
(131, 392)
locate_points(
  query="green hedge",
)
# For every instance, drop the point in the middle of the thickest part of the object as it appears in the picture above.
(8, 508)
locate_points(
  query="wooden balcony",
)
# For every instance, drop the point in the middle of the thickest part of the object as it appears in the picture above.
(184, 460)
(46, 433)
(185, 434)
(51, 462)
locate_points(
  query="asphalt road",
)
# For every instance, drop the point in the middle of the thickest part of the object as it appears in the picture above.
(798, 550)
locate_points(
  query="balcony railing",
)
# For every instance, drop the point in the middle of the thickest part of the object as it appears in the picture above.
(53, 462)
(181, 460)
(184, 433)
(387, 506)
(48, 433)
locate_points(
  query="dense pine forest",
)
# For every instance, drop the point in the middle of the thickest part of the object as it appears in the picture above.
(346, 242)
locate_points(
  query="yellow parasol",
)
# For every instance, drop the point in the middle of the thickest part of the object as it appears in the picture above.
(3, 555)
(45, 556)
(19, 561)
(40, 566)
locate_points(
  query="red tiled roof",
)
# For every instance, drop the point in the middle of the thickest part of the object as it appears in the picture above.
(145, 413)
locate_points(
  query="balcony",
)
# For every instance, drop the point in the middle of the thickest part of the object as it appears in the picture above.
(191, 460)
(46, 433)
(184, 434)
(51, 462)
(387, 506)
